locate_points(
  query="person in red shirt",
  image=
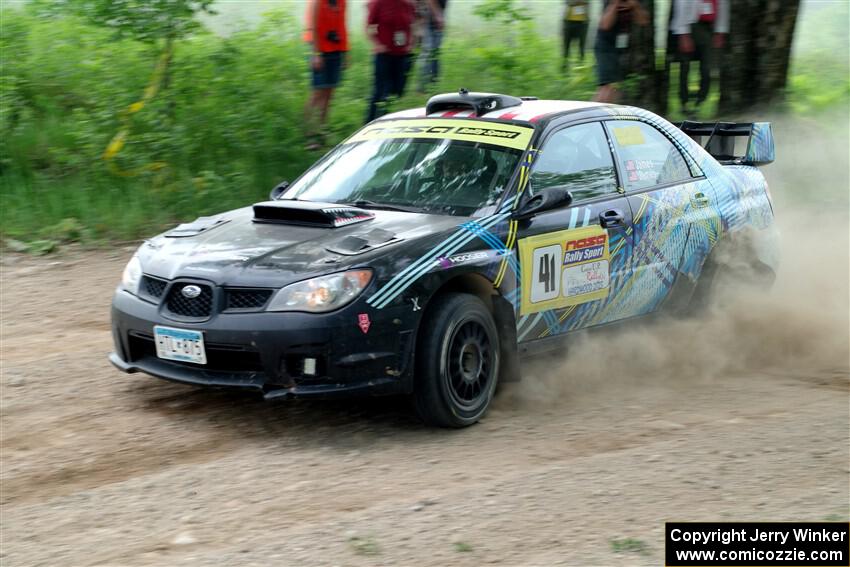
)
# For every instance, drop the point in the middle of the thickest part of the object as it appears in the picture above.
(389, 26)
(327, 36)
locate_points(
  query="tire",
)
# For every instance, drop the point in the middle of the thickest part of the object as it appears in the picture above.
(457, 361)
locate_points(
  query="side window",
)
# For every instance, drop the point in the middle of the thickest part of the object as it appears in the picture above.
(577, 158)
(647, 158)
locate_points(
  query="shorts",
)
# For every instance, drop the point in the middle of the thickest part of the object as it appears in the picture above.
(609, 65)
(329, 75)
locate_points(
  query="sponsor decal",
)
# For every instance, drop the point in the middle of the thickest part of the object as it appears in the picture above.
(564, 268)
(447, 262)
(584, 249)
(508, 135)
(461, 130)
(642, 170)
(629, 135)
(363, 322)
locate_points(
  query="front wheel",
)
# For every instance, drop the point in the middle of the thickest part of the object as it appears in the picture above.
(457, 361)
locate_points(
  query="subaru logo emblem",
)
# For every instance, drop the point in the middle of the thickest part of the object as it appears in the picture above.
(191, 291)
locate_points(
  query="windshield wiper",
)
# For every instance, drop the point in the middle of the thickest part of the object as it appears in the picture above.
(366, 204)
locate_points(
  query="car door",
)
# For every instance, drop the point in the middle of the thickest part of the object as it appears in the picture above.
(669, 205)
(570, 258)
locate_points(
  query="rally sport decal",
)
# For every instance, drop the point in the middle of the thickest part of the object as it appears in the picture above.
(507, 135)
(564, 268)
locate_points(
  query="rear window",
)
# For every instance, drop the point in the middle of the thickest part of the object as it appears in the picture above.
(646, 156)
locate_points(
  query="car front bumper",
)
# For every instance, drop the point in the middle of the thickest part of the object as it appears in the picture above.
(265, 352)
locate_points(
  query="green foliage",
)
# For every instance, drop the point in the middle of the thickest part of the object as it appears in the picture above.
(143, 20)
(364, 545)
(228, 127)
(462, 547)
(503, 11)
(629, 545)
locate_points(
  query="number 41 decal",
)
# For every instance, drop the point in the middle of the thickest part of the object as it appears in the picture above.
(563, 268)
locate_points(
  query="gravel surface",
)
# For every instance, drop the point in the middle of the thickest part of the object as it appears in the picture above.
(632, 429)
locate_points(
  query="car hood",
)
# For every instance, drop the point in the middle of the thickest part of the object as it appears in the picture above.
(234, 249)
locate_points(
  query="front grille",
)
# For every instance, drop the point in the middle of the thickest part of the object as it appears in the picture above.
(245, 299)
(153, 287)
(220, 357)
(196, 307)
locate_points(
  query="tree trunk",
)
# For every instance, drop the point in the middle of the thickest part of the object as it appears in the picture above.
(754, 68)
(643, 79)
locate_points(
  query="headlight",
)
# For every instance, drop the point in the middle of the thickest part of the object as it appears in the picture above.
(321, 294)
(132, 276)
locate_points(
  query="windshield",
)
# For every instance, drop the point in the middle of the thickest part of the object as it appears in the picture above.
(440, 172)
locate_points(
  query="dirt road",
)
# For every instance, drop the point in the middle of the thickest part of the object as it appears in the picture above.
(580, 464)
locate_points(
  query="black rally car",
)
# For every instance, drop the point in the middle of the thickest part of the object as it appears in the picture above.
(430, 249)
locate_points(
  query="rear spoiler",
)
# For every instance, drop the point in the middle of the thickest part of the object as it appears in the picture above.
(719, 139)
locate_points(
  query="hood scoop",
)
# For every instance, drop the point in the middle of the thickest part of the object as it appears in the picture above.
(309, 213)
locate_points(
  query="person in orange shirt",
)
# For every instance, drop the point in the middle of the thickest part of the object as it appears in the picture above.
(327, 36)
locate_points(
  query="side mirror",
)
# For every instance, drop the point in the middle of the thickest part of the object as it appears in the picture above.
(275, 193)
(548, 199)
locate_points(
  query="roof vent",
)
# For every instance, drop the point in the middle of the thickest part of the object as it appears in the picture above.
(479, 103)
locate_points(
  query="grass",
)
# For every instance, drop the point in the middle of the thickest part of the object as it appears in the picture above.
(629, 545)
(228, 127)
(364, 545)
(462, 547)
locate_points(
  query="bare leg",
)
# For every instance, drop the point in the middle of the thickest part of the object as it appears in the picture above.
(310, 109)
(313, 118)
(607, 93)
(325, 104)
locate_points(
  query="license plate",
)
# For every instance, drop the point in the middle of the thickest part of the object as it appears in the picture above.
(180, 344)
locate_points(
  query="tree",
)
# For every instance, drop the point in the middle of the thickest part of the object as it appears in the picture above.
(643, 85)
(156, 22)
(150, 21)
(755, 69)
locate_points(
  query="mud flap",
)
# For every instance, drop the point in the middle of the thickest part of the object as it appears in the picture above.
(503, 313)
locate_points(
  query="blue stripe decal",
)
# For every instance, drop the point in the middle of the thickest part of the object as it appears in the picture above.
(573, 218)
(552, 321)
(493, 241)
(530, 327)
(425, 262)
(413, 272)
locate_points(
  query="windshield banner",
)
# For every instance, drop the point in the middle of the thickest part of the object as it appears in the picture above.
(506, 135)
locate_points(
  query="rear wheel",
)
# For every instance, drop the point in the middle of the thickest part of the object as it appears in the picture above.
(457, 361)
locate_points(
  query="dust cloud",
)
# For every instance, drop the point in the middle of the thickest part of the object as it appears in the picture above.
(800, 327)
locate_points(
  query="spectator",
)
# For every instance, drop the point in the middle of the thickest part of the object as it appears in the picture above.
(389, 26)
(432, 38)
(327, 36)
(612, 42)
(575, 28)
(697, 28)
